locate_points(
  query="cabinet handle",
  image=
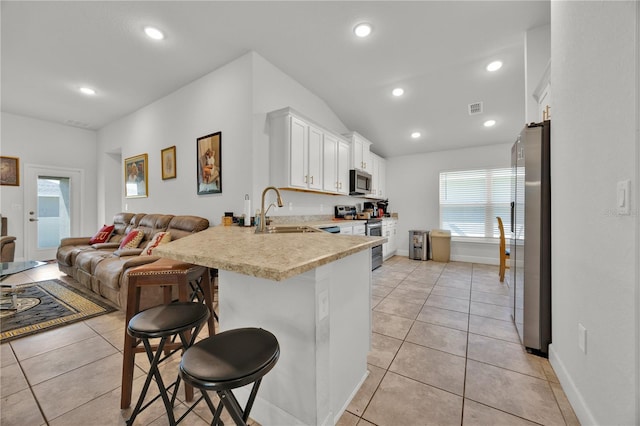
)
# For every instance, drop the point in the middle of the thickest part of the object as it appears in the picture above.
(311, 180)
(306, 177)
(340, 187)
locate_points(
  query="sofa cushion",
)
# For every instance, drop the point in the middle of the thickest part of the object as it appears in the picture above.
(131, 240)
(158, 239)
(103, 235)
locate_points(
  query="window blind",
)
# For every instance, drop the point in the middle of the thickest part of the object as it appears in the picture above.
(470, 200)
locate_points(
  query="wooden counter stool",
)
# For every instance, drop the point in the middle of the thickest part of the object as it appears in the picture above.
(165, 322)
(227, 361)
(164, 273)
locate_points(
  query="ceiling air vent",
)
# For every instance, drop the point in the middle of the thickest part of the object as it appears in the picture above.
(475, 108)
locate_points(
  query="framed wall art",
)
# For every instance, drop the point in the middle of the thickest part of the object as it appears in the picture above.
(136, 176)
(9, 171)
(168, 158)
(208, 151)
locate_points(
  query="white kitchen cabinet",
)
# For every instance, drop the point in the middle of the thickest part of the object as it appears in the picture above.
(330, 161)
(296, 151)
(378, 176)
(346, 229)
(344, 149)
(360, 152)
(314, 171)
(336, 165)
(360, 229)
(382, 178)
(390, 231)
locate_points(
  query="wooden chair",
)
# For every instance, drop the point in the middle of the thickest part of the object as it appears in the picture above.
(504, 252)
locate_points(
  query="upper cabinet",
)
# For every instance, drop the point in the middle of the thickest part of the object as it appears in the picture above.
(336, 165)
(305, 156)
(378, 175)
(360, 152)
(302, 144)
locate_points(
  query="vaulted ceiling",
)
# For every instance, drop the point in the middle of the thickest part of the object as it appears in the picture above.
(436, 51)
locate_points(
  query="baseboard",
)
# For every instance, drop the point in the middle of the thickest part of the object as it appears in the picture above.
(455, 258)
(578, 403)
(353, 395)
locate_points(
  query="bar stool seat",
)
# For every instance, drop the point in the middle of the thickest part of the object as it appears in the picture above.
(229, 360)
(181, 319)
(193, 283)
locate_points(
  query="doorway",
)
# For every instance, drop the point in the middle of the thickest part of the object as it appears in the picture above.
(52, 209)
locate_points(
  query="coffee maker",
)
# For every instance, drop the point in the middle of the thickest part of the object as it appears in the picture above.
(382, 207)
(371, 208)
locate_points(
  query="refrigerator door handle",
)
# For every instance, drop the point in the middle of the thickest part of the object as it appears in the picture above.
(513, 205)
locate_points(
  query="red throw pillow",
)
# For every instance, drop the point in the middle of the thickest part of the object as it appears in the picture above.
(103, 235)
(131, 240)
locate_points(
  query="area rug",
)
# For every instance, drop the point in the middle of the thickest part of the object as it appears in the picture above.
(46, 305)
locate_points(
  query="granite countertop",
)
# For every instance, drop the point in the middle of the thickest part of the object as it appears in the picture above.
(271, 256)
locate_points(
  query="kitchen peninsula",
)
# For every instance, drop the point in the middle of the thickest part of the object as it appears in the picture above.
(312, 290)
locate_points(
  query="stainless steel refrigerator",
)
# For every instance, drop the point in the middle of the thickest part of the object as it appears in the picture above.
(530, 254)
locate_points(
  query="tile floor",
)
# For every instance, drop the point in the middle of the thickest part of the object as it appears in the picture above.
(444, 352)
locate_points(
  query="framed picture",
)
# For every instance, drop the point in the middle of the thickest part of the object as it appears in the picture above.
(208, 150)
(136, 177)
(168, 163)
(9, 171)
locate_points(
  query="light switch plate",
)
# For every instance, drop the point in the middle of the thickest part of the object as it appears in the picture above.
(582, 338)
(623, 191)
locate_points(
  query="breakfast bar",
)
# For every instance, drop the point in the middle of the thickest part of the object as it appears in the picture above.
(312, 290)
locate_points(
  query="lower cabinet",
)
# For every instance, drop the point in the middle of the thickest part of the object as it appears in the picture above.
(390, 231)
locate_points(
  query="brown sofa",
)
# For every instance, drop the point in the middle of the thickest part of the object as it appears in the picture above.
(102, 267)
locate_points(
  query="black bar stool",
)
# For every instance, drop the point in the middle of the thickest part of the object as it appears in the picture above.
(166, 322)
(226, 361)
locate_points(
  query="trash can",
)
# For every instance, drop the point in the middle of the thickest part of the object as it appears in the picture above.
(440, 245)
(419, 245)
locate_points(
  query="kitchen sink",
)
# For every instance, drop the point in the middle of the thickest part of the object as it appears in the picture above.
(289, 229)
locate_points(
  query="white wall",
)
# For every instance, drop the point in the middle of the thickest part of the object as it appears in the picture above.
(273, 90)
(413, 183)
(594, 144)
(219, 101)
(43, 143)
(233, 99)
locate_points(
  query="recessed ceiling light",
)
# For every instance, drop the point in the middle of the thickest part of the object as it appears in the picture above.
(87, 91)
(489, 123)
(398, 91)
(154, 33)
(362, 30)
(415, 135)
(494, 66)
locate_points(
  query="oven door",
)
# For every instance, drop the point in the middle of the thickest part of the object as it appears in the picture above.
(374, 229)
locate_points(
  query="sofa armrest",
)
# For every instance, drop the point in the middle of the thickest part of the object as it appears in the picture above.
(128, 252)
(75, 241)
(138, 261)
(100, 246)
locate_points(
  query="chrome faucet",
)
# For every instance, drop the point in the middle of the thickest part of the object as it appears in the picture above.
(261, 227)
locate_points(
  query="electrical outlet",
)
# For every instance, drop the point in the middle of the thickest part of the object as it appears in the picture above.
(290, 206)
(582, 338)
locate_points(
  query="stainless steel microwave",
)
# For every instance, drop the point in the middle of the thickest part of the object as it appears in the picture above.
(359, 182)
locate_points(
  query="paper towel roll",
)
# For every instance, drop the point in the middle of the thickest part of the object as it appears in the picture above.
(247, 210)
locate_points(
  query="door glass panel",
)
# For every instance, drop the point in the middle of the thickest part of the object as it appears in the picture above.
(54, 211)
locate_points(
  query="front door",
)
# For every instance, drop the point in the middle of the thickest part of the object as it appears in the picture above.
(52, 209)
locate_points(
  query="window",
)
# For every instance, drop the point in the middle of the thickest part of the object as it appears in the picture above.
(470, 200)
